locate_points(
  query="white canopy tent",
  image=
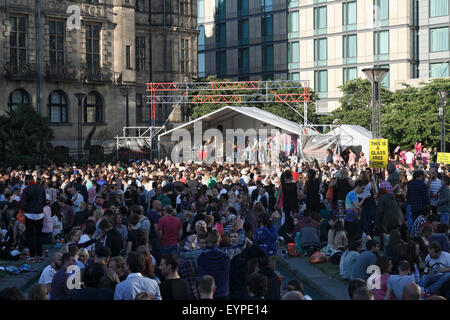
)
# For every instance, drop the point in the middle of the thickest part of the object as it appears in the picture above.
(353, 136)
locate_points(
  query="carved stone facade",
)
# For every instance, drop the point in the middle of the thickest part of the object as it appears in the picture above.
(120, 46)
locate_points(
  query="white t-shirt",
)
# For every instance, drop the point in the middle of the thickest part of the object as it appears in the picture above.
(435, 185)
(47, 275)
(57, 225)
(409, 157)
(85, 238)
(435, 264)
(77, 202)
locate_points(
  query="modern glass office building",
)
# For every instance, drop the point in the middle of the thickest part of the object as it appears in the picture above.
(324, 42)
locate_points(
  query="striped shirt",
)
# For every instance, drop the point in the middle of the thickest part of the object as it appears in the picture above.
(434, 188)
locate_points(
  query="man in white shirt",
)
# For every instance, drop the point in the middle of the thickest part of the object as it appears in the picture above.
(77, 198)
(434, 184)
(49, 271)
(409, 158)
(439, 266)
(136, 282)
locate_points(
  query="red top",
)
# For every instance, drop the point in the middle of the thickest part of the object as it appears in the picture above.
(295, 175)
(169, 225)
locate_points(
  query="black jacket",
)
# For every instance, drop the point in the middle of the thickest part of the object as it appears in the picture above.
(273, 284)
(33, 199)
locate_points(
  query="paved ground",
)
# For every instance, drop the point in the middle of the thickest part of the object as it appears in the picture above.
(24, 280)
(324, 284)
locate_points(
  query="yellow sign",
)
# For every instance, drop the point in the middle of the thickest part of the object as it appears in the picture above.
(443, 157)
(378, 153)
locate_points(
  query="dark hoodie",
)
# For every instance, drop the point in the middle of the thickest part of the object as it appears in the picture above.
(309, 230)
(273, 284)
(216, 263)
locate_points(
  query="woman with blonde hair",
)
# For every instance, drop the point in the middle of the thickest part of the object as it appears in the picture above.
(98, 214)
(38, 292)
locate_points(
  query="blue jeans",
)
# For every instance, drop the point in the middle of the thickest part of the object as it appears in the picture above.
(168, 250)
(444, 217)
(432, 283)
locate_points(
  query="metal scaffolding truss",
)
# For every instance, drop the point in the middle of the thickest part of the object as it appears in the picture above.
(243, 92)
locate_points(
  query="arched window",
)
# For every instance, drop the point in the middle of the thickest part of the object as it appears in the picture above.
(18, 97)
(93, 108)
(57, 107)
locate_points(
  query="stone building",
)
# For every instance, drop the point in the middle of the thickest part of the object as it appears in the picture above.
(119, 46)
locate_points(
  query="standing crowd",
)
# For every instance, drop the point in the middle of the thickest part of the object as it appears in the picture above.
(184, 231)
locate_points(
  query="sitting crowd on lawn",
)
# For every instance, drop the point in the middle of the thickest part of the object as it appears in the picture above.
(163, 230)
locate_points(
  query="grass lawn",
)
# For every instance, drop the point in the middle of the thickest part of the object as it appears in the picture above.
(328, 268)
(16, 263)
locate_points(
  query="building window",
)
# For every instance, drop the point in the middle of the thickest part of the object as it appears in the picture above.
(267, 58)
(320, 52)
(201, 38)
(200, 11)
(292, 24)
(267, 28)
(184, 55)
(184, 7)
(221, 35)
(56, 43)
(243, 60)
(93, 47)
(320, 20)
(140, 54)
(294, 76)
(439, 70)
(221, 9)
(294, 55)
(221, 63)
(140, 5)
(17, 38)
(57, 107)
(321, 83)
(381, 13)
(349, 48)
(349, 16)
(267, 5)
(439, 39)
(387, 79)
(243, 32)
(242, 7)
(381, 45)
(128, 56)
(292, 3)
(18, 97)
(349, 74)
(438, 8)
(201, 65)
(93, 108)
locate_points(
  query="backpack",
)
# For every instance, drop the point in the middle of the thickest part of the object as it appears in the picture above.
(369, 221)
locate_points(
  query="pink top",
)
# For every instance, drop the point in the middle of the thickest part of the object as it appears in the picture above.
(92, 192)
(379, 294)
(351, 159)
(47, 224)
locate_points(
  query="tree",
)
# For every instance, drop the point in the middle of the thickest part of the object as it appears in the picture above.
(356, 104)
(25, 136)
(280, 109)
(412, 115)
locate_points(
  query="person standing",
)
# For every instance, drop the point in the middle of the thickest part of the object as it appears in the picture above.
(417, 193)
(169, 232)
(312, 188)
(443, 203)
(32, 203)
(434, 185)
(59, 288)
(174, 287)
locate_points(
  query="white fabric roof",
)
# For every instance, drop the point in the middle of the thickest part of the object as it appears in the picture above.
(252, 112)
(353, 135)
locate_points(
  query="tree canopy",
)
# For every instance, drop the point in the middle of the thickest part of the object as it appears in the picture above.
(24, 136)
(407, 115)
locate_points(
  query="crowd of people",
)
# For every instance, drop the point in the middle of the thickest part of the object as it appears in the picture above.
(152, 230)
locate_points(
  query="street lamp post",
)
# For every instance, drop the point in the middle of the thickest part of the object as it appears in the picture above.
(80, 97)
(124, 91)
(375, 76)
(442, 95)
